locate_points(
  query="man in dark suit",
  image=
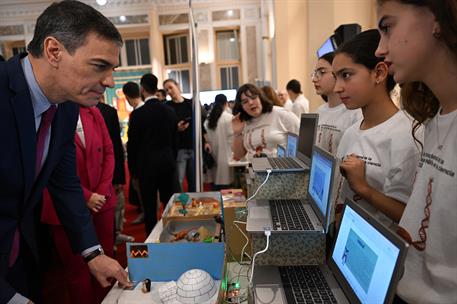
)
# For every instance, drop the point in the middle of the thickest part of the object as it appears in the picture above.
(70, 62)
(112, 123)
(151, 150)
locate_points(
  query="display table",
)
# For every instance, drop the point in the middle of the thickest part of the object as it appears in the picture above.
(115, 293)
(234, 209)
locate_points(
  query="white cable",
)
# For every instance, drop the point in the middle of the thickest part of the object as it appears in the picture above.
(261, 185)
(267, 234)
(245, 236)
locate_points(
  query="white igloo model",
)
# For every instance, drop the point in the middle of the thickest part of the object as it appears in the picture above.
(195, 286)
(167, 293)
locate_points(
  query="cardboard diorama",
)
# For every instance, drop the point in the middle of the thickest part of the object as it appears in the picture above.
(193, 206)
(175, 272)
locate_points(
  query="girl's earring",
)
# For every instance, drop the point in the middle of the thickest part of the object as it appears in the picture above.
(436, 34)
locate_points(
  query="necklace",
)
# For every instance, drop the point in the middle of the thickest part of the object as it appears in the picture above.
(440, 144)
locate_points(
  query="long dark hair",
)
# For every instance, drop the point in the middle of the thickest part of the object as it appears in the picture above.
(251, 90)
(216, 111)
(417, 99)
(361, 48)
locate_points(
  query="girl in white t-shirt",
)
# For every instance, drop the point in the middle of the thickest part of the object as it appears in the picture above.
(378, 154)
(259, 126)
(418, 42)
(334, 117)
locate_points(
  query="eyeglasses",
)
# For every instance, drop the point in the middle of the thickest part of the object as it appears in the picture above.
(317, 74)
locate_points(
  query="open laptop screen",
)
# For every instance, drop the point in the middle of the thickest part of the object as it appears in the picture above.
(308, 126)
(292, 142)
(320, 178)
(281, 152)
(364, 257)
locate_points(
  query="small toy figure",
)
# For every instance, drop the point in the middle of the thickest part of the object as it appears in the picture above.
(183, 198)
(146, 286)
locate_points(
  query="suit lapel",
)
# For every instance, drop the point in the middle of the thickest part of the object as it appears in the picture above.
(21, 104)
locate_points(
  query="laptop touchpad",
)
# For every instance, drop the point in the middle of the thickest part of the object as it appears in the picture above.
(258, 213)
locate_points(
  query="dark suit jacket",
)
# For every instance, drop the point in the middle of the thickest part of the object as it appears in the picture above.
(112, 123)
(152, 138)
(20, 193)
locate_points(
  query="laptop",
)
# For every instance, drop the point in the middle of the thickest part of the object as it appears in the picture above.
(304, 144)
(365, 265)
(292, 215)
(280, 151)
(292, 145)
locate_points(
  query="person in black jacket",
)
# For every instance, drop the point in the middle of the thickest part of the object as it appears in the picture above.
(152, 150)
(112, 123)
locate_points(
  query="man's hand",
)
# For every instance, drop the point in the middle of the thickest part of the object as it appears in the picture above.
(96, 202)
(182, 125)
(104, 269)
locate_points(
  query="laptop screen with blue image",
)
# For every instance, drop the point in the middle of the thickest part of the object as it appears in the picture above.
(280, 151)
(365, 257)
(320, 178)
(292, 143)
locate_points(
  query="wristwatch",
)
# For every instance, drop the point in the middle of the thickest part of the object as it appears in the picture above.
(93, 254)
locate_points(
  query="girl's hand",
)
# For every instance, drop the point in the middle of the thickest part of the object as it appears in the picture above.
(96, 202)
(237, 124)
(353, 169)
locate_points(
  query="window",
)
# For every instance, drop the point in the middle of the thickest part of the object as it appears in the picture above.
(228, 58)
(18, 50)
(176, 51)
(177, 60)
(227, 46)
(229, 77)
(135, 52)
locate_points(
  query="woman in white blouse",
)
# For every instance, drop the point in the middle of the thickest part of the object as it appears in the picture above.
(258, 126)
(220, 135)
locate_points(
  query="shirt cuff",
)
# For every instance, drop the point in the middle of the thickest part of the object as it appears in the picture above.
(86, 252)
(18, 299)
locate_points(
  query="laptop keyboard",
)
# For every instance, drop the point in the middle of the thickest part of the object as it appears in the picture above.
(283, 163)
(305, 285)
(289, 215)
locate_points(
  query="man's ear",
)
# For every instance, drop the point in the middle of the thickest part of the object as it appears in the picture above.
(52, 50)
(381, 71)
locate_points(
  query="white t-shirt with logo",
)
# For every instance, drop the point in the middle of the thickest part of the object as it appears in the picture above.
(431, 275)
(391, 157)
(265, 132)
(332, 124)
(300, 105)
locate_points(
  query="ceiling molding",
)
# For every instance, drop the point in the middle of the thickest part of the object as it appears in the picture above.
(18, 12)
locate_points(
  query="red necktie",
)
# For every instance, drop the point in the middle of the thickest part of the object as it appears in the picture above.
(46, 120)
